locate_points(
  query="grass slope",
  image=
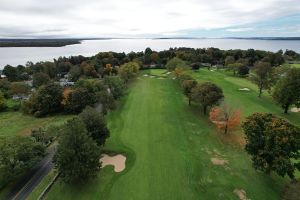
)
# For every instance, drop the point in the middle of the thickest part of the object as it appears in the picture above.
(15, 123)
(169, 146)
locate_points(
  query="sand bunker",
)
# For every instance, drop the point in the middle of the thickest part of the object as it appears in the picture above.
(295, 110)
(218, 161)
(244, 89)
(241, 194)
(118, 161)
(146, 75)
(168, 73)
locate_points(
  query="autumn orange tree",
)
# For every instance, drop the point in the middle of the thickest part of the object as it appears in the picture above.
(225, 117)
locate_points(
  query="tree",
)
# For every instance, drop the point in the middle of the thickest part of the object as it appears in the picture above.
(263, 76)
(75, 73)
(174, 63)
(273, 144)
(95, 125)
(229, 60)
(154, 57)
(243, 70)
(77, 156)
(19, 88)
(287, 89)
(11, 73)
(234, 67)
(106, 101)
(207, 94)
(17, 155)
(77, 99)
(179, 71)
(46, 100)
(116, 86)
(128, 71)
(225, 117)
(40, 79)
(187, 86)
(88, 70)
(5, 87)
(2, 102)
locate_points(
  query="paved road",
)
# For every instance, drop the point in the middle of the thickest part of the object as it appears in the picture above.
(26, 185)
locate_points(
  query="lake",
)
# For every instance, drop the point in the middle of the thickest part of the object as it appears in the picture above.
(20, 55)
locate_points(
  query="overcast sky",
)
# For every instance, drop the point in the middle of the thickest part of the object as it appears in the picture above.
(148, 18)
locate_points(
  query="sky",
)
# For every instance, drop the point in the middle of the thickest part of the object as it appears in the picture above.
(149, 18)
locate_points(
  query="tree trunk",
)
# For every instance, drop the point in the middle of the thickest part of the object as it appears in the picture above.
(260, 91)
(286, 108)
(226, 128)
(204, 109)
(189, 101)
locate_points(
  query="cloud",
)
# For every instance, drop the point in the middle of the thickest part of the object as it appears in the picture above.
(240, 29)
(103, 18)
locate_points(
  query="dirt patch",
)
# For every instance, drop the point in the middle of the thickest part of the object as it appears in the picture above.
(218, 161)
(118, 161)
(25, 132)
(241, 194)
(296, 110)
(244, 89)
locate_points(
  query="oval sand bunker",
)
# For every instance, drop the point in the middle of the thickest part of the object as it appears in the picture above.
(118, 161)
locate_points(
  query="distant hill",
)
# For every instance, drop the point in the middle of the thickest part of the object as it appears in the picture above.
(38, 42)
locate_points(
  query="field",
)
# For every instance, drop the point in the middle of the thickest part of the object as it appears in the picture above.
(170, 146)
(295, 65)
(15, 123)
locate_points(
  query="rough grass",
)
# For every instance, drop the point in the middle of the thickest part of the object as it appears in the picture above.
(15, 123)
(169, 147)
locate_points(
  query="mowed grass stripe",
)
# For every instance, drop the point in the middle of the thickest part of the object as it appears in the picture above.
(158, 139)
(169, 146)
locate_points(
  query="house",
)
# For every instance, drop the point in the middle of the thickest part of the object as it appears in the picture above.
(29, 83)
(205, 64)
(20, 97)
(2, 75)
(65, 82)
(218, 66)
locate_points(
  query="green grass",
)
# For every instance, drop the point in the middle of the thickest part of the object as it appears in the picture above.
(156, 72)
(42, 186)
(15, 123)
(247, 102)
(10, 103)
(295, 65)
(168, 147)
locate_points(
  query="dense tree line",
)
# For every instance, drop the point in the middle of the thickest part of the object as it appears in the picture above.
(37, 42)
(17, 155)
(106, 63)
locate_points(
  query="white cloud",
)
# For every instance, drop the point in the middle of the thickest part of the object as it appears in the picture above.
(240, 29)
(106, 18)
